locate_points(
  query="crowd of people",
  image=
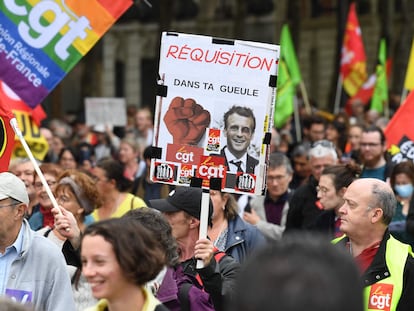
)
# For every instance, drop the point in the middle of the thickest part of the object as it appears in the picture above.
(333, 231)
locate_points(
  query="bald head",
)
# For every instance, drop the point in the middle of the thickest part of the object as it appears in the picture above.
(378, 194)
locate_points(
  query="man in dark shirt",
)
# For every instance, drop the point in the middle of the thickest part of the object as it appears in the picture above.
(269, 212)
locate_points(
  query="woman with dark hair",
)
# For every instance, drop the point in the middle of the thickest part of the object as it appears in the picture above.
(68, 158)
(118, 259)
(333, 183)
(336, 132)
(113, 188)
(229, 232)
(402, 181)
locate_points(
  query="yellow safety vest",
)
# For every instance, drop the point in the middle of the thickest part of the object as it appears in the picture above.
(385, 294)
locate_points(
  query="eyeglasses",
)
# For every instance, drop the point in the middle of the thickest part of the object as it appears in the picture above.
(8, 205)
(277, 178)
(321, 189)
(39, 185)
(369, 145)
(323, 143)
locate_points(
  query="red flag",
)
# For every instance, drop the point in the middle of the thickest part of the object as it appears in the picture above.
(15, 103)
(353, 60)
(363, 95)
(401, 123)
(6, 134)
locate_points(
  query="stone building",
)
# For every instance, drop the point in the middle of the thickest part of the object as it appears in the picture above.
(124, 62)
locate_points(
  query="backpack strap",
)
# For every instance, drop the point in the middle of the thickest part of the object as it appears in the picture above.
(183, 296)
(218, 256)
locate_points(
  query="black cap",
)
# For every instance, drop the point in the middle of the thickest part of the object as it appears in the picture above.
(187, 199)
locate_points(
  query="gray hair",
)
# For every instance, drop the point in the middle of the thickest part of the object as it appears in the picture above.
(385, 200)
(300, 150)
(19, 160)
(278, 159)
(322, 148)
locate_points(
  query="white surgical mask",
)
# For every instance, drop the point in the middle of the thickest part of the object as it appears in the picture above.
(404, 191)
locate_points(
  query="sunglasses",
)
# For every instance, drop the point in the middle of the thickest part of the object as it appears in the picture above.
(323, 143)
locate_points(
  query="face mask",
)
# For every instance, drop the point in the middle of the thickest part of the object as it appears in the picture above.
(404, 191)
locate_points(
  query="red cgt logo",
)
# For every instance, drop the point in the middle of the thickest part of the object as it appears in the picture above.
(380, 297)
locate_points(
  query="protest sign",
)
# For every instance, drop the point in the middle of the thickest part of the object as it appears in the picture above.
(214, 112)
(104, 110)
(41, 41)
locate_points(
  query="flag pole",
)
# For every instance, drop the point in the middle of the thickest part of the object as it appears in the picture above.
(15, 126)
(403, 95)
(338, 94)
(305, 97)
(298, 129)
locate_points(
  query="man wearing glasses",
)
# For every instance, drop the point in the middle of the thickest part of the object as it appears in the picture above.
(269, 212)
(32, 269)
(372, 151)
(303, 206)
(239, 126)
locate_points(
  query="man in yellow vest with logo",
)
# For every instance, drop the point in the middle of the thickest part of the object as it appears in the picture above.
(386, 265)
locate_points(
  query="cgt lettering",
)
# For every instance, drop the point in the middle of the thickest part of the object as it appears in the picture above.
(381, 302)
(213, 140)
(211, 171)
(38, 34)
(185, 157)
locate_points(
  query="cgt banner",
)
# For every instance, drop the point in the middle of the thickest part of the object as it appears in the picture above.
(41, 41)
(214, 112)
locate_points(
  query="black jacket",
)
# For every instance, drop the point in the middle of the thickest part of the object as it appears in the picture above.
(303, 211)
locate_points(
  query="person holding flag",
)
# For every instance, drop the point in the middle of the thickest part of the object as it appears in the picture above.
(33, 269)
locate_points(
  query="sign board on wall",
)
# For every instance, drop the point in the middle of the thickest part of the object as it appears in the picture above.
(214, 112)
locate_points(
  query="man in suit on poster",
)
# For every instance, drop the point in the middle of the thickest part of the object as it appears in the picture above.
(239, 127)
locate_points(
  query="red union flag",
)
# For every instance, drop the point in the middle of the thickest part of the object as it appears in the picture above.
(353, 60)
(401, 123)
(6, 133)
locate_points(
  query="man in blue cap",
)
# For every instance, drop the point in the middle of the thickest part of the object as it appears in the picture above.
(32, 268)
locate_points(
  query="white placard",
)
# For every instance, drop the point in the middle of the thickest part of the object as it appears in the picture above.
(204, 80)
(105, 110)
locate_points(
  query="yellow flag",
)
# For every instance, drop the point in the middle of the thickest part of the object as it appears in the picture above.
(409, 76)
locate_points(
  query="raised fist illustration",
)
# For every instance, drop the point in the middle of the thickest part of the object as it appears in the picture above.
(186, 121)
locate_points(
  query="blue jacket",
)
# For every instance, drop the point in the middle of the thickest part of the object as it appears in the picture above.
(242, 239)
(39, 275)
